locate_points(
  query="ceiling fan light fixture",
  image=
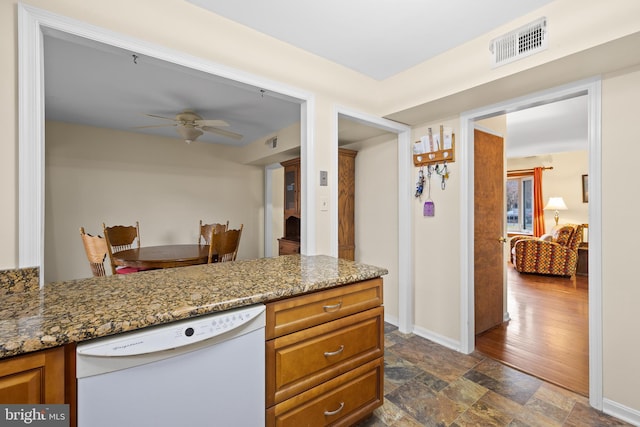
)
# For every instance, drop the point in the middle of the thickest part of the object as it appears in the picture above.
(190, 126)
(189, 134)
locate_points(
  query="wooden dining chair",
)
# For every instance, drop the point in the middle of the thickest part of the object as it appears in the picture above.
(96, 249)
(121, 238)
(207, 229)
(227, 243)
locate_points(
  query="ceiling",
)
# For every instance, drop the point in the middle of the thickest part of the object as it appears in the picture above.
(378, 39)
(94, 84)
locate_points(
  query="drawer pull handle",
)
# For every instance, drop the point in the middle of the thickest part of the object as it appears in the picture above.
(329, 413)
(334, 307)
(333, 353)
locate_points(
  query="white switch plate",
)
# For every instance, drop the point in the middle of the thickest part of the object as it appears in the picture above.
(323, 178)
(324, 204)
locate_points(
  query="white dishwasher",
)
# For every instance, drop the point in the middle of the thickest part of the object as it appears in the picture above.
(205, 371)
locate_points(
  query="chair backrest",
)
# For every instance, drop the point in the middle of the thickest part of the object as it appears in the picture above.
(569, 235)
(227, 243)
(562, 234)
(207, 229)
(96, 249)
(120, 238)
(576, 238)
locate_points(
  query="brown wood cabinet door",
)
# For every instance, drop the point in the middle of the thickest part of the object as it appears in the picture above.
(341, 401)
(488, 230)
(33, 378)
(304, 359)
(346, 203)
(291, 188)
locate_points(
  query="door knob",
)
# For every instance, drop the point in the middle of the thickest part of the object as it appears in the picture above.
(502, 239)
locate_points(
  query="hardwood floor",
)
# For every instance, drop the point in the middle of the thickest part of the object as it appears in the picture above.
(548, 334)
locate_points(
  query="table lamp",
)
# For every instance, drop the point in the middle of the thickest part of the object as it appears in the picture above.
(557, 204)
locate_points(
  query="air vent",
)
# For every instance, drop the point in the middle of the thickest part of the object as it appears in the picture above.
(272, 142)
(520, 43)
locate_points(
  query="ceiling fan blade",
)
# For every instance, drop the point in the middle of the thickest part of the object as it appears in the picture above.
(154, 126)
(160, 117)
(214, 123)
(222, 132)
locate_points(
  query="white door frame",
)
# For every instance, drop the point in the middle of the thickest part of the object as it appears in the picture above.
(268, 209)
(592, 89)
(405, 223)
(33, 23)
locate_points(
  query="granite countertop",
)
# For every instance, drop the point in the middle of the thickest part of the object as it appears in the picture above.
(33, 319)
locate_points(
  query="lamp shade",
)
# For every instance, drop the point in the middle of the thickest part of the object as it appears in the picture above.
(556, 203)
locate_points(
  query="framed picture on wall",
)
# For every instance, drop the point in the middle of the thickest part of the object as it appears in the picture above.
(585, 188)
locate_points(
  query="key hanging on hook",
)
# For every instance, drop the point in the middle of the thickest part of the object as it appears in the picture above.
(420, 183)
(444, 174)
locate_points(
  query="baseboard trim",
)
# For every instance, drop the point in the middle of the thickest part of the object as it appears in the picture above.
(438, 339)
(393, 320)
(424, 333)
(620, 411)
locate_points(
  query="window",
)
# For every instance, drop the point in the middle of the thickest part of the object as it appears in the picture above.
(520, 204)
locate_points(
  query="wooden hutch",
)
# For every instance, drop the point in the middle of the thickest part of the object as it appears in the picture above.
(290, 242)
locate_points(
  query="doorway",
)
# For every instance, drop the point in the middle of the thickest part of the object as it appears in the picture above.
(543, 329)
(34, 25)
(401, 288)
(590, 88)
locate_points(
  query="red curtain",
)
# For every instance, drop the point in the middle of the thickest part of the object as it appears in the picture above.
(538, 204)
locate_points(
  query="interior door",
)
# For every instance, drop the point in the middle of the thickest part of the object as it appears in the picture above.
(488, 230)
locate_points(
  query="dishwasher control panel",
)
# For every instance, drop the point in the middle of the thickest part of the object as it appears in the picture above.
(173, 335)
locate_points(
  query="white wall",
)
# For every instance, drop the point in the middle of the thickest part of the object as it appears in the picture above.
(376, 214)
(620, 207)
(277, 203)
(96, 175)
(437, 249)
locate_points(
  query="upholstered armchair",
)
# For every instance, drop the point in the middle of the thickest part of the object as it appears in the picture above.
(556, 254)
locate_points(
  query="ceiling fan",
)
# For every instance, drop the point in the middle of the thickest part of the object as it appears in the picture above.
(190, 126)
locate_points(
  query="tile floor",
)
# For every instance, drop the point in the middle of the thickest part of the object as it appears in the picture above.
(427, 384)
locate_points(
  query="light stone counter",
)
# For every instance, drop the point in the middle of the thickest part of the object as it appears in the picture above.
(33, 319)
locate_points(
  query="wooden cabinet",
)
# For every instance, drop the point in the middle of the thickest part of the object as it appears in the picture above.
(290, 242)
(33, 378)
(288, 247)
(291, 188)
(325, 356)
(346, 203)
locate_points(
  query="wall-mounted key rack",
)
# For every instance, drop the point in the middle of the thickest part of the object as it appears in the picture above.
(437, 156)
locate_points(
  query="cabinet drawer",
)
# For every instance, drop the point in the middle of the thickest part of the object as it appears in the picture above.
(304, 359)
(339, 402)
(294, 314)
(288, 247)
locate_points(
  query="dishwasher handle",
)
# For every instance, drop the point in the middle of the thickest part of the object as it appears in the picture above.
(176, 335)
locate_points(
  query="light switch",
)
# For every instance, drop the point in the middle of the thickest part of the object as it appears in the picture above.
(324, 204)
(323, 178)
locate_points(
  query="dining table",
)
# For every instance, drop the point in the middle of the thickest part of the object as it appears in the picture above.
(163, 256)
